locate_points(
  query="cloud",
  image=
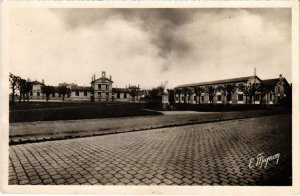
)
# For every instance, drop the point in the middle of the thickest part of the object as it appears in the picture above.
(149, 46)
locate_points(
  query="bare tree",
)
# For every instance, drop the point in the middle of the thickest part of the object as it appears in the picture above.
(14, 82)
(134, 91)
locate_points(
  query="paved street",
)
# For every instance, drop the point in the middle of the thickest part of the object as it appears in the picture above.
(205, 154)
(26, 132)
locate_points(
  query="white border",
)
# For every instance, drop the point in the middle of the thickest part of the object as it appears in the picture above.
(232, 190)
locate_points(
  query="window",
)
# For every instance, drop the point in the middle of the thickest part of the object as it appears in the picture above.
(219, 98)
(77, 93)
(59, 95)
(106, 87)
(176, 97)
(53, 94)
(202, 99)
(38, 94)
(99, 86)
(85, 93)
(31, 93)
(125, 95)
(240, 97)
(118, 95)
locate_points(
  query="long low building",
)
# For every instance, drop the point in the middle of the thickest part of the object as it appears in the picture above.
(100, 90)
(241, 90)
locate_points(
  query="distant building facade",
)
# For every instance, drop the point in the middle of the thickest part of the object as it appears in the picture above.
(101, 90)
(277, 91)
(130, 93)
(36, 92)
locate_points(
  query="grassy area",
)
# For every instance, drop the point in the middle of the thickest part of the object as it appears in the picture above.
(27, 112)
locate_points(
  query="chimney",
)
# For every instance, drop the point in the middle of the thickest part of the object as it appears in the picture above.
(110, 77)
(103, 74)
(94, 76)
(280, 76)
(43, 81)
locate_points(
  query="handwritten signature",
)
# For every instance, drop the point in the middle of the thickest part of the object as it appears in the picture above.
(261, 160)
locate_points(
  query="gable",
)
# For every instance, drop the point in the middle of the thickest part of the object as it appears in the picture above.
(102, 80)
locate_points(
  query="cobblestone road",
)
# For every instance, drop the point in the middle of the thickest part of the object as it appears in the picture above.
(206, 154)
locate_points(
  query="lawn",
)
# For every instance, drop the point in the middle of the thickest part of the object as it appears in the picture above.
(43, 111)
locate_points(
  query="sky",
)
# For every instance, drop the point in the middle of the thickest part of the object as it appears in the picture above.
(149, 46)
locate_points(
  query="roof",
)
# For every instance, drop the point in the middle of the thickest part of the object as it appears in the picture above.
(37, 83)
(272, 82)
(120, 90)
(134, 87)
(102, 78)
(81, 88)
(232, 80)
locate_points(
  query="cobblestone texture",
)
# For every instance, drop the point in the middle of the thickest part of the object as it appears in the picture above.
(206, 154)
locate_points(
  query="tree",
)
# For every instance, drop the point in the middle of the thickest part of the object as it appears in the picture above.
(246, 91)
(211, 93)
(171, 96)
(156, 93)
(14, 81)
(63, 90)
(48, 90)
(134, 91)
(185, 91)
(198, 90)
(264, 90)
(249, 90)
(190, 92)
(227, 90)
(22, 88)
(253, 88)
(27, 89)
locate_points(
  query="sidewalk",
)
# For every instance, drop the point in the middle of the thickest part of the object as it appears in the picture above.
(28, 132)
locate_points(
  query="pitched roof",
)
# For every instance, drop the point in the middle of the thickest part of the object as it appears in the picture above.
(37, 83)
(232, 80)
(271, 82)
(120, 90)
(102, 80)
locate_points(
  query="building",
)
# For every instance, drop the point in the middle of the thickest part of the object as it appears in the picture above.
(128, 94)
(36, 92)
(101, 88)
(275, 90)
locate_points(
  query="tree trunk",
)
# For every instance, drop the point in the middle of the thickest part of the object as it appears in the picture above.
(20, 98)
(13, 96)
